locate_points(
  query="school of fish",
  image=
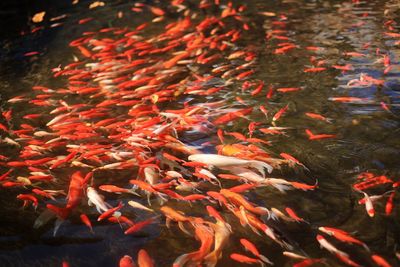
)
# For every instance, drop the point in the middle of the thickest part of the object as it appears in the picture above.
(121, 124)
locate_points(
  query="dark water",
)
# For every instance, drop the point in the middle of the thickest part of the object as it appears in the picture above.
(366, 134)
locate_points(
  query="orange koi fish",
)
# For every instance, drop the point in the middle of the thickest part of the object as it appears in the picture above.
(84, 51)
(116, 189)
(292, 214)
(258, 89)
(173, 61)
(302, 186)
(284, 49)
(380, 261)
(85, 20)
(279, 113)
(75, 191)
(214, 213)
(346, 67)
(317, 116)
(86, 221)
(288, 89)
(353, 54)
(138, 226)
(307, 262)
(110, 212)
(243, 259)
(144, 260)
(314, 69)
(270, 92)
(312, 136)
(232, 115)
(252, 248)
(158, 12)
(28, 198)
(244, 75)
(389, 204)
(126, 261)
(291, 158)
(242, 188)
(239, 200)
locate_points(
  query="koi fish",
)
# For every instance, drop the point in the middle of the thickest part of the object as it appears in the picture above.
(258, 89)
(350, 99)
(293, 215)
(380, 261)
(317, 117)
(111, 212)
(319, 69)
(28, 198)
(353, 54)
(85, 219)
(116, 189)
(232, 115)
(137, 205)
(328, 246)
(244, 259)
(138, 226)
(312, 136)
(279, 113)
(288, 89)
(97, 200)
(252, 248)
(346, 67)
(369, 206)
(389, 203)
(126, 261)
(307, 262)
(144, 260)
(292, 159)
(226, 162)
(342, 236)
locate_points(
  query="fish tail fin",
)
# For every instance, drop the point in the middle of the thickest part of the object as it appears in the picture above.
(366, 247)
(211, 259)
(259, 165)
(57, 225)
(133, 192)
(62, 213)
(265, 259)
(329, 120)
(281, 187)
(273, 216)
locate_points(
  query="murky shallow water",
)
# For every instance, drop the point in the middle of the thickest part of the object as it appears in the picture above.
(366, 133)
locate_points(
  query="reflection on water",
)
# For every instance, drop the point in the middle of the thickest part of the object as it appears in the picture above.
(324, 50)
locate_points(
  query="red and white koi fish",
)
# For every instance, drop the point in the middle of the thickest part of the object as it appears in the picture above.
(369, 207)
(342, 236)
(252, 248)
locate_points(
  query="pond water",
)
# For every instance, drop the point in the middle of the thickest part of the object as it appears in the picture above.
(334, 65)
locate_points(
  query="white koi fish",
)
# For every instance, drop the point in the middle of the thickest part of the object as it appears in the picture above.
(97, 200)
(228, 162)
